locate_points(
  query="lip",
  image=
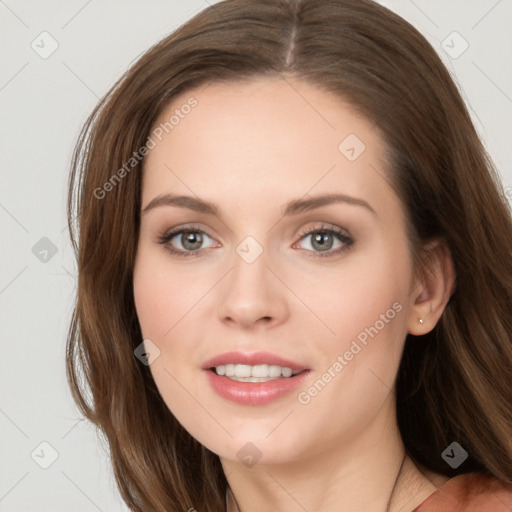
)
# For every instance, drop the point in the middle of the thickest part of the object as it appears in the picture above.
(252, 359)
(254, 393)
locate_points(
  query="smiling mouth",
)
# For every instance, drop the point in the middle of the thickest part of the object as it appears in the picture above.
(255, 373)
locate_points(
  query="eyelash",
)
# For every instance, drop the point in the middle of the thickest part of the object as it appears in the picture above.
(167, 236)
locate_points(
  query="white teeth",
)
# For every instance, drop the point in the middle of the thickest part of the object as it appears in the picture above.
(287, 372)
(263, 371)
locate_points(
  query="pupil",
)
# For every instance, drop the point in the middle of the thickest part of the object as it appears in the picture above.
(193, 238)
(319, 237)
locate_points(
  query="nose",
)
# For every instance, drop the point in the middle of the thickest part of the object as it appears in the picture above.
(252, 294)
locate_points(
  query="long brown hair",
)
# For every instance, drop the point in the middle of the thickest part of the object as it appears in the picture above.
(453, 384)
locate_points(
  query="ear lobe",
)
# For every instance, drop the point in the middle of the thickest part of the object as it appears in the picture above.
(437, 285)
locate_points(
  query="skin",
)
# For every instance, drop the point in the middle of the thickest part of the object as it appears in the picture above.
(251, 148)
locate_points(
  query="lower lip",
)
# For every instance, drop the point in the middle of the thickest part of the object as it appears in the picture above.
(254, 393)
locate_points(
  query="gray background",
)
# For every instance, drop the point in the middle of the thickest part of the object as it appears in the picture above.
(43, 104)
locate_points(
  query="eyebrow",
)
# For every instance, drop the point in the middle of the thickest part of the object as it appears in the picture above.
(292, 208)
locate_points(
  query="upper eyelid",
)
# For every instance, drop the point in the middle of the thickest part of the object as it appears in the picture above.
(319, 226)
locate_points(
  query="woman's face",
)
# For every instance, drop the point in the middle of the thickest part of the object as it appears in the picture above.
(249, 278)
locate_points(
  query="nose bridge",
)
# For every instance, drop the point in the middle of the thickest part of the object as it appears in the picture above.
(252, 292)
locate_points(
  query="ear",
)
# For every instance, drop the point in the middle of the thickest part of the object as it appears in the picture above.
(432, 291)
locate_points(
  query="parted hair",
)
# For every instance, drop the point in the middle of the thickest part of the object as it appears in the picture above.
(453, 383)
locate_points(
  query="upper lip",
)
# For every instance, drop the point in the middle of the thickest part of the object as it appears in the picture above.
(251, 359)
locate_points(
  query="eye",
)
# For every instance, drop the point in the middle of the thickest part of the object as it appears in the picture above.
(323, 238)
(188, 238)
(187, 241)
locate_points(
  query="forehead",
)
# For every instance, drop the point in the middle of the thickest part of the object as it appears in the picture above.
(270, 138)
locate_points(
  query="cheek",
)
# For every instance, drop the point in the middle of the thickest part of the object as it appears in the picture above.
(364, 304)
(164, 301)
(162, 295)
(170, 299)
(155, 299)
(352, 296)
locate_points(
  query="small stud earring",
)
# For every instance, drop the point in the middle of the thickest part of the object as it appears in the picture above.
(421, 320)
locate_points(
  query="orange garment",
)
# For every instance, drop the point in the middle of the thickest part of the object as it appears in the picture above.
(469, 492)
